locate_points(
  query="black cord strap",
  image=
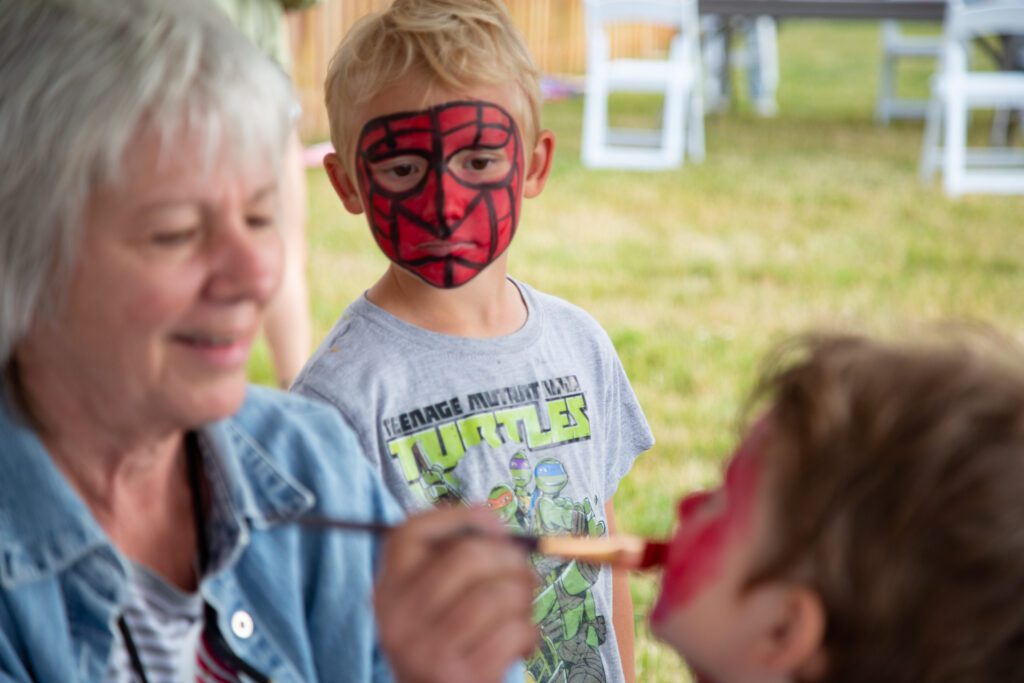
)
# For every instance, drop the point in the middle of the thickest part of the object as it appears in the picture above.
(133, 652)
(217, 643)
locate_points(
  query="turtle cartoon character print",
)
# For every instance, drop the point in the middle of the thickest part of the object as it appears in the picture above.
(442, 187)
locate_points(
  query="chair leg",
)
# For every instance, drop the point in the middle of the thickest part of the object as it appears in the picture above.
(762, 42)
(954, 151)
(595, 123)
(695, 128)
(931, 139)
(883, 109)
(999, 136)
(715, 79)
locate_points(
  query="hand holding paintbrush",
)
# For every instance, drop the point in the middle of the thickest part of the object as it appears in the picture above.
(452, 605)
(621, 551)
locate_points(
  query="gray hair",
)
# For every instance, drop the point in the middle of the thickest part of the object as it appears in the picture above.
(79, 79)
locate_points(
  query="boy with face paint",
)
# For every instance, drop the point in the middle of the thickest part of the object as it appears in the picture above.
(455, 376)
(868, 525)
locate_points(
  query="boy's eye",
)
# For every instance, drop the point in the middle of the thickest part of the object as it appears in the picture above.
(480, 167)
(399, 174)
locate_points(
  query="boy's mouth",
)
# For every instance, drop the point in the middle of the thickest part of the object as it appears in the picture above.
(441, 248)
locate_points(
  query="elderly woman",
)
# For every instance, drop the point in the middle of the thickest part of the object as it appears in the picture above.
(148, 498)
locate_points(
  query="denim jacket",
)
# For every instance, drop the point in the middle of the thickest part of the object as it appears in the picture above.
(294, 603)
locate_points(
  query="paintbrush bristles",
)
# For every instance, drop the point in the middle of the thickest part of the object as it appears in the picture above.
(622, 551)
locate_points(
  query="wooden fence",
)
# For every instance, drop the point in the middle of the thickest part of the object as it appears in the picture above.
(553, 30)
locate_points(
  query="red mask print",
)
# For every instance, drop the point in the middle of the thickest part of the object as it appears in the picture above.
(706, 521)
(442, 188)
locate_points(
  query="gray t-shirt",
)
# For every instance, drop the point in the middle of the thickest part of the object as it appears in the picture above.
(541, 424)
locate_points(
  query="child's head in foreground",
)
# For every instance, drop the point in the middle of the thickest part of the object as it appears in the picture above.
(871, 523)
(435, 119)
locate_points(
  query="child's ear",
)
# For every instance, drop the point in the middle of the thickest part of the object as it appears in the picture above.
(790, 641)
(538, 164)
(343, 185)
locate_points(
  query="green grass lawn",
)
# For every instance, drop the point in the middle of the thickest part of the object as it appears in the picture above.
(812, 219)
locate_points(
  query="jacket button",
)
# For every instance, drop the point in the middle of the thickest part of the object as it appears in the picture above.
(241, 624)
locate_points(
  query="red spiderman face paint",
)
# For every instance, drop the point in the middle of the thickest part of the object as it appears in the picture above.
(708, 522)
(442, 187)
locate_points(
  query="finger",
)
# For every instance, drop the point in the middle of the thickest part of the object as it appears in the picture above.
(408, 600)
(484, 606)
(409, 543)
(443, 580)
(460, 565)
(504, 644)
(448, 651)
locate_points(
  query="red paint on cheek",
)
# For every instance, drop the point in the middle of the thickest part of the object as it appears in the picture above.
(705, 529)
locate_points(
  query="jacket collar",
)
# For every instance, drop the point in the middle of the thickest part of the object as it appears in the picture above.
(45, 526)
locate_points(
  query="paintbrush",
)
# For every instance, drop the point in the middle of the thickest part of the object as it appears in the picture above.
(622, 551)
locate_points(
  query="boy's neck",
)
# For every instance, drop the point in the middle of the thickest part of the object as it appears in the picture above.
(489, 305)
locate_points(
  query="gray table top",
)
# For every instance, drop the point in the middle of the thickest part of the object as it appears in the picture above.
(922, 10)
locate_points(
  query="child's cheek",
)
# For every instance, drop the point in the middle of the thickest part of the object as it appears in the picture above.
(695, 554)
(693, 562)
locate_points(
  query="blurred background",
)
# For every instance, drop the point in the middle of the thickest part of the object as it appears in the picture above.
(812, 217)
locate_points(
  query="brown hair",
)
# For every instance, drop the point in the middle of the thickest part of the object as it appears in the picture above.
(899, 480)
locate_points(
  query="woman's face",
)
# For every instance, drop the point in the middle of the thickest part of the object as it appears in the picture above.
(174, 270)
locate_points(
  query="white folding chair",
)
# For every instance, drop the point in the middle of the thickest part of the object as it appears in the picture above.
(958, 88)
(897, 46)
(758, 57)
(677, 78)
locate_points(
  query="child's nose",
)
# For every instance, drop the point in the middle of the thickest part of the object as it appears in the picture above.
(692, 504)
(449, 203)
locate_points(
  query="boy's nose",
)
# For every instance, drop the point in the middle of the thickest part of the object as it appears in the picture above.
(445, 205)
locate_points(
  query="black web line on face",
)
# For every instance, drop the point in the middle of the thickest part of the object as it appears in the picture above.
(442, 168)
(436, 160)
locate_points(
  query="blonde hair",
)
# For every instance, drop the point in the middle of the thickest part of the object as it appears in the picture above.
(451, 43)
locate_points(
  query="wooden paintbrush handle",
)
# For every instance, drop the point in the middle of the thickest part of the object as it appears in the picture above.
(621, 550)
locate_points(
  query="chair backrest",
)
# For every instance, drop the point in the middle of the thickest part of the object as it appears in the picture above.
(967, 19)
(680, 15)
(676, 13)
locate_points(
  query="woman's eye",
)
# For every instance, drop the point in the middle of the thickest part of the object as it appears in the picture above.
(174, 238)
(259, 221)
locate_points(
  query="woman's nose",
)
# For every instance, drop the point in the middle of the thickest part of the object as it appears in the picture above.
(247, 262)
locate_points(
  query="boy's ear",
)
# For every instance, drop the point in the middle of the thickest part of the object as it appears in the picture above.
(343, 185)
(538, 164)
(790, 640)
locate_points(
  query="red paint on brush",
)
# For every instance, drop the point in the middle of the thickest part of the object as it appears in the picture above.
(706, 521)
(655, 555)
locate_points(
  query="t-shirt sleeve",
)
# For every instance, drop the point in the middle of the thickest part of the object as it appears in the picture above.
(309, 386)
(627, 432)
